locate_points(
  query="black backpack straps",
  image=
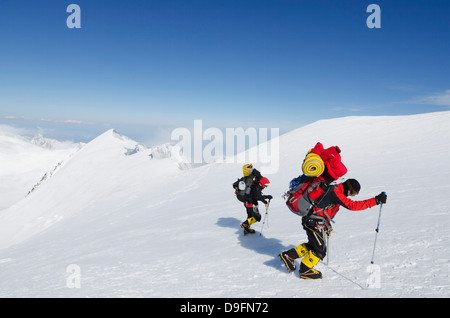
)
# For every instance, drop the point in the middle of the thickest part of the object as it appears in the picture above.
(324, 201)
(328, 198)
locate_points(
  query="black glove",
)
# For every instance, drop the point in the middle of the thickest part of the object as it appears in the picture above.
(381, 198)
(268, 197)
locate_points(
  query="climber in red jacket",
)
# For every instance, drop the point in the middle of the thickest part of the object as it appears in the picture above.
(318, 223)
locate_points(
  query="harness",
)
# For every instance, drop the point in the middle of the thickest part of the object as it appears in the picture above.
(325, 222)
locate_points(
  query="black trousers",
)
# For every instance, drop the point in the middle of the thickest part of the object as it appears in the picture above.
(315, 237)
(253, 212)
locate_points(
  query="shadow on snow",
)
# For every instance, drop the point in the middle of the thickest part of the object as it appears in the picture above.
(268, 246)
(257, 242)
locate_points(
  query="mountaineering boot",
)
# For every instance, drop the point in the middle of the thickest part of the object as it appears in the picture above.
(291, 255)
(247, 229)
(306, 267)
(302, 250)
(288, 260)
(246, 226)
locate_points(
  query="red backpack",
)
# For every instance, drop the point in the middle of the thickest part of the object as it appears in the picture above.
(303, 197)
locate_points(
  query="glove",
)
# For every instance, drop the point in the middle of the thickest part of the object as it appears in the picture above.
(381, 198)
(268, 197)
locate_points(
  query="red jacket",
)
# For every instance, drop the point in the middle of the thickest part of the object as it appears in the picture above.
(337, 198)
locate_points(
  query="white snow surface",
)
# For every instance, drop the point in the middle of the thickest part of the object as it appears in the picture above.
(24, 162)
(137, 226)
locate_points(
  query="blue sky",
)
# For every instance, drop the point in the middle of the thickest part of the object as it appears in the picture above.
(145, 67)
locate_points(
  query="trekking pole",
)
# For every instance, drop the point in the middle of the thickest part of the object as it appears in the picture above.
(326, 241)
(265, 216)
(377, 229)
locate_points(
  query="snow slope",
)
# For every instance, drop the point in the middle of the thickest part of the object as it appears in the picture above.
(137, 226)
(24, 161)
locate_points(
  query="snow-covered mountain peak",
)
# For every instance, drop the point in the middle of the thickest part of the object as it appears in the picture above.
(110, 136)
